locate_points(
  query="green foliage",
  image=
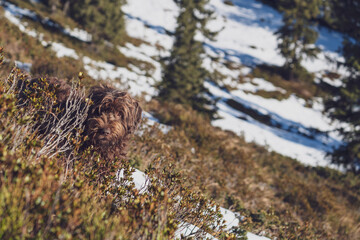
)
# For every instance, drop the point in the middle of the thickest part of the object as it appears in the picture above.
(297, 35)
(342, 16)
(337, 15)
(184, 76)
(345, 106)
(103, 18)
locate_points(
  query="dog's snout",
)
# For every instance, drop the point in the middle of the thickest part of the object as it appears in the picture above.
(105, 131)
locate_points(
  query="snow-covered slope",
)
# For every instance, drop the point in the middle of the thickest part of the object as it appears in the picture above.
(248, 38)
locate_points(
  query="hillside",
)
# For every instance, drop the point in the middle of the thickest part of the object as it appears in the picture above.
(265, 158)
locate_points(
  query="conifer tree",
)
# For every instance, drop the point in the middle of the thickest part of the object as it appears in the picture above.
(297, 35)
(184, 76)
(346, 14)
(103, 18)
(345, 104)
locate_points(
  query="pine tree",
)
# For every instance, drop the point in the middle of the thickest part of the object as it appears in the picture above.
(103, 18)
(346, 14)
(345, 104)
(184, 76)
(297, 35)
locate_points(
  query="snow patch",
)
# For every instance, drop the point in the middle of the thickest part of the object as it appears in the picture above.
(79, 34)
(62, 51)
(23, 66)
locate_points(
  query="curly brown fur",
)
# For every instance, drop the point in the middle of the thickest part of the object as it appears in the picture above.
(112, 118)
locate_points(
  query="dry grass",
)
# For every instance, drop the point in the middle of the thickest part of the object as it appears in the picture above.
(304, 88)
(276, 194)
(19, 46)
(47, 194)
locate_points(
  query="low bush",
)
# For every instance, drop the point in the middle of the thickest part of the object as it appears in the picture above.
(276, 195)
(77, 194)
(50, 65)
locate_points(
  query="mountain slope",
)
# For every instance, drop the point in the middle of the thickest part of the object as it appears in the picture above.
(247, 39)
(288, 126)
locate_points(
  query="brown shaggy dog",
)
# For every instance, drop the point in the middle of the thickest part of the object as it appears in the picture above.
(110, 121)
(112, 118)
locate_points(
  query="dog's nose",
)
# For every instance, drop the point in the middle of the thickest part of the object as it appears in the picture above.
(105, 131)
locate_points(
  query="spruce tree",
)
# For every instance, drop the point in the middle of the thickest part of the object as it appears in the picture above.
(184, 76)
(103, 18)
(346, 14)
(345, 104)
(297, 35)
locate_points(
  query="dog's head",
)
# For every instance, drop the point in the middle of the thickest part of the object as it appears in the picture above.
(112, 117)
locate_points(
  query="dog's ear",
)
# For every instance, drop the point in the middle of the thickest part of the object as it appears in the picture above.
(97, 94)
(130, 111)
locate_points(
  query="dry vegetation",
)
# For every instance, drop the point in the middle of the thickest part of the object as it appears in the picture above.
(57, 193)
(306, 88)
(277, 195)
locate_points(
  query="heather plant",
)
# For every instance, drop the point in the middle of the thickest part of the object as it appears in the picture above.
(275, 195)
(58, 128)
(47, 192)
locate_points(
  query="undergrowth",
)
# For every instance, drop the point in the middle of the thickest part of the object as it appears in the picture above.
(277, 196)
(76, 194)
(44, 198)
(304, 88)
